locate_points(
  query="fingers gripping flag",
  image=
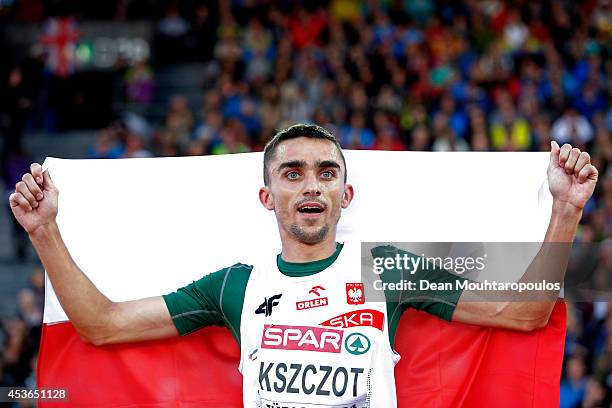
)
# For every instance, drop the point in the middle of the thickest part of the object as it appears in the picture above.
(143, 227)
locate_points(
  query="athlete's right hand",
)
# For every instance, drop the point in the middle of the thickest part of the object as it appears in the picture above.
(34, 202)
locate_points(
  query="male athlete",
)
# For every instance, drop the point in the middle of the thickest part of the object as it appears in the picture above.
(308, 337)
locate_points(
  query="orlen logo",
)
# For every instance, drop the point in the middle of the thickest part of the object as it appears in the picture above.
(364, 317)
(304, 338)
(316, 302)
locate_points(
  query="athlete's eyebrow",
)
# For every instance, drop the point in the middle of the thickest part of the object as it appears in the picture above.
(328, 163)
(291, 164)
(301, 163)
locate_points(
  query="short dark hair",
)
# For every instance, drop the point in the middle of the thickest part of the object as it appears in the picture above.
(293, 132)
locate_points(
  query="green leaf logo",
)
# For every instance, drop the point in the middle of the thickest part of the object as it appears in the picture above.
(357, 344)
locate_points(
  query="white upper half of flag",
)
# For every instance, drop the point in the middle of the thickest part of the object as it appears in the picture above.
(144, 227)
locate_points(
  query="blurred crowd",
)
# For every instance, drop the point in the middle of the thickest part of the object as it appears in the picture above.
(413, 75)
(418, 75)
(20, 339)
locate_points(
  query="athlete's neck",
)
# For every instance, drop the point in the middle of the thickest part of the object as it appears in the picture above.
(295, 251)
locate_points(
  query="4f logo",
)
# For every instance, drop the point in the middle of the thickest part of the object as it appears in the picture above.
(268, 304)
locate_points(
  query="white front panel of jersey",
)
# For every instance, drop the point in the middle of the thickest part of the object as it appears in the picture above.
(313, 342)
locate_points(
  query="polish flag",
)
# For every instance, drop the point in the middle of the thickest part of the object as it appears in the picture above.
(143, 227)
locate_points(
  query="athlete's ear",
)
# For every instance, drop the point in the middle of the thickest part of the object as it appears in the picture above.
(347, 197)
(266, 199)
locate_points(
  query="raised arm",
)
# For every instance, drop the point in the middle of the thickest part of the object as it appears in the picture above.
(571, 179)
(97, 319)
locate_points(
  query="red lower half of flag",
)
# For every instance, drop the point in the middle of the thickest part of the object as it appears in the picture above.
(199, 370)
(443, 365)
(456, 365)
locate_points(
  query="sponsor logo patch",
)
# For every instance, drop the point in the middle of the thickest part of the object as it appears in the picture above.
(354, 294)
(268, 304)
(316, 289)
(311, 303)
(364, 317)
(304, 338)
(357, 343)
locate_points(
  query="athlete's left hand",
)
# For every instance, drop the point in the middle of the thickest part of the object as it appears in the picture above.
(571, 176)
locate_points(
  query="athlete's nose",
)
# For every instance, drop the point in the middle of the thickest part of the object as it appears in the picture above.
(312, 188)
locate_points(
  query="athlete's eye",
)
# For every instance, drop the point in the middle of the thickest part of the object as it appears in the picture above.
(327, 174)
(293, 175)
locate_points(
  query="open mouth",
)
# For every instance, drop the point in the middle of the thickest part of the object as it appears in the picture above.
(311, 208)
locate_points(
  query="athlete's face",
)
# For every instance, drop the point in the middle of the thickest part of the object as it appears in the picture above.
(306, 189)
